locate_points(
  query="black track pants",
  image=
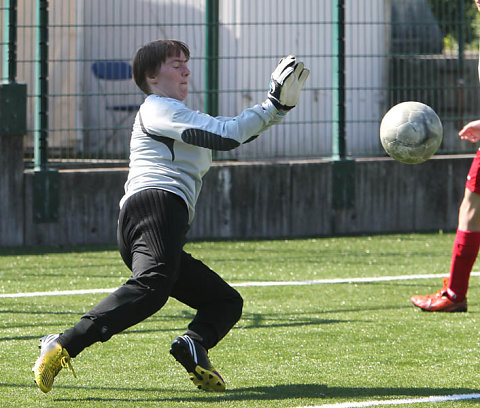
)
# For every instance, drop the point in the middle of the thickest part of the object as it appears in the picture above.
(151, 234)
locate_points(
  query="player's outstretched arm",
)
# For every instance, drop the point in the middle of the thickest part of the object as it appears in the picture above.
(286, 83)
(471, 131)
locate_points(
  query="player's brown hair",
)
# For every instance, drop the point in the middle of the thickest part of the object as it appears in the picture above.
(149, 58)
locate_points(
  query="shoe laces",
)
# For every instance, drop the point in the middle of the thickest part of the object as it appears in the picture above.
(63, 360)
(65, 363)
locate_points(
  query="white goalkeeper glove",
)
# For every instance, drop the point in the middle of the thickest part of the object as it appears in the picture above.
(286, 83)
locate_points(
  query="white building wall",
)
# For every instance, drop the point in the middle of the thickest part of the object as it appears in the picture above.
(253, 36)
(260, 34)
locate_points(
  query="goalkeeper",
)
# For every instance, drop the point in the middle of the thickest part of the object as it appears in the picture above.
(170, 152)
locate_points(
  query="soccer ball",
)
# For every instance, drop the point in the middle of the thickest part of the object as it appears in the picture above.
(411, 132)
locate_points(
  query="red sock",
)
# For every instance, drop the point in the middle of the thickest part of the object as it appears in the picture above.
(464, 254)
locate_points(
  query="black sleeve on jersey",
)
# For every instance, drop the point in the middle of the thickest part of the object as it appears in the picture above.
(251, 139)
(162, 139)
(209, 140)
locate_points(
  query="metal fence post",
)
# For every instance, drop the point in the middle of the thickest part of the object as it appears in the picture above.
(41, 86)
(343, 170)
(211, 60)
(338, 86)
(46, 181)
(10, 34)
(13, 96)
(13, 126)
(460, 91)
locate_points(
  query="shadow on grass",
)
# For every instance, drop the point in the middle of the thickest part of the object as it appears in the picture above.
(251, 321)
(46, 250)
(266, 393)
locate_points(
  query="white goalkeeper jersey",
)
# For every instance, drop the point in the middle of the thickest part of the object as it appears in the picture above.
(171, 145)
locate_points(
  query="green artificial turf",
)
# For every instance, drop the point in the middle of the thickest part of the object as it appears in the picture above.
(296, 345)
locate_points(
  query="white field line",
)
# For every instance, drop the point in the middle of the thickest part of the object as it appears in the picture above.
(373, 403)
(244, 284)
(440, 398)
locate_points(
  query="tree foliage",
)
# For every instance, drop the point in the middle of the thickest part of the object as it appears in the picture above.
(456, 18)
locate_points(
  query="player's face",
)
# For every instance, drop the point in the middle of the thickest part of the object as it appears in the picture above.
(477, 2)
(171, 80)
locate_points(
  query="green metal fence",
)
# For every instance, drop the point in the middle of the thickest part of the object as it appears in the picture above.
(364, 57)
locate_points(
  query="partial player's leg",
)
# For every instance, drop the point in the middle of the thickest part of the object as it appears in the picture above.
(452, 297)
(218, 306)
(152, 227)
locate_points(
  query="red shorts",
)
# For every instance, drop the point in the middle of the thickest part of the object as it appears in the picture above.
(473, 178)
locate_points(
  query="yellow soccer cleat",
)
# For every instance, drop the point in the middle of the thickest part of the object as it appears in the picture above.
(53, 357)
